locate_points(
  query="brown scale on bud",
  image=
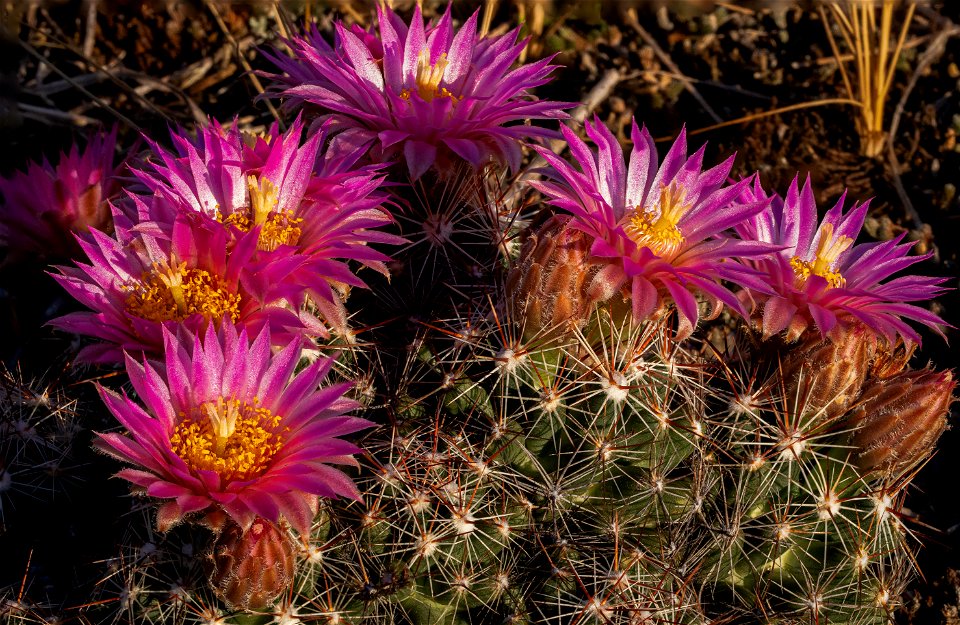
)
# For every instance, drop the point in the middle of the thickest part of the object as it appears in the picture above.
(252, 568)
(551, 282)
(898, 420)
(891, 360)
(825, 378)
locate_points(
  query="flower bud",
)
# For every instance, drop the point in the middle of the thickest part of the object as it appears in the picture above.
(825, 377)
(898, 420)
(549, 284)
(252, 568)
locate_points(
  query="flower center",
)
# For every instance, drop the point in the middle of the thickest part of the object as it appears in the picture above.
(657, 229)
(429, 76)
(235, 439)
(823, 264)
(276, 228)
(173, 292)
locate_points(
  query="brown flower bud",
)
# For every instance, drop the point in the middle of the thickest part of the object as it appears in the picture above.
(825, 377)
(549, 284)
(898, 420)
(252, 568)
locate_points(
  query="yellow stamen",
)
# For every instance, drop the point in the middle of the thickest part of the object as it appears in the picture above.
(276, 227)
(429, 76)
(236, 439)
(657, 229)
(237, 219)
(172, 292)
(823, 263)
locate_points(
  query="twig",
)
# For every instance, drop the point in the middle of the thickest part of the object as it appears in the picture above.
(283, 20)
(730, 6)
(762, 114)
(45, 114)
(91, 31)
(191, 74)
(908, 207)
(242, 59)
(44, 90)
(836, 51)
(600, 92)
(640, 73)
(936, 49)
(98, 101)
(666, 60)
(113, 77)
(915, 42)
(489, 9)
(151, 83)
(106, 71)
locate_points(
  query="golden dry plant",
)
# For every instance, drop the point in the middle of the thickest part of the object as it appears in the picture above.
(870, 59)
(533, 14)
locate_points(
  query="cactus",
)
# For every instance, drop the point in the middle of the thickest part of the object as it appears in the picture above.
(628, 392)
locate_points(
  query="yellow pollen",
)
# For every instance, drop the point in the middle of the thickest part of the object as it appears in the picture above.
(276, 227)
(173, 292)
(429, 76)
(828, 251)
(238, 220)
(657, 229)
(235, 439)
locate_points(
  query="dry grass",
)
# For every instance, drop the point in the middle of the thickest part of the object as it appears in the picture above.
(867, 33)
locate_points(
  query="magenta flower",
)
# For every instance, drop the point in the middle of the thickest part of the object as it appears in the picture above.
(656, 227)
(43, 207)
(819, 276)
(227, 426)
(312, 211)
(186, 273)
(422, 92)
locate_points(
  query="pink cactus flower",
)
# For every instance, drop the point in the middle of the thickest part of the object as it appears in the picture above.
(188, 273)
(228, 427)
(423, 92)
(312, 210)
(43, 207)
(820, 277)
(657, 227)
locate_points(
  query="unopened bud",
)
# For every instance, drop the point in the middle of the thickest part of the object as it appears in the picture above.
(898, 420)
(549, 284)
(824, 378)
(252, 568)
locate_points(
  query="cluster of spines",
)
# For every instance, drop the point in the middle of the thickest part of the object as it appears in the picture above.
(539, 491)
(38, 429)
(606, 475)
